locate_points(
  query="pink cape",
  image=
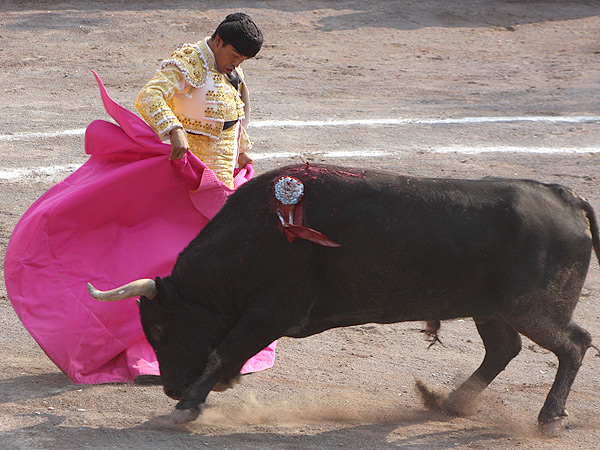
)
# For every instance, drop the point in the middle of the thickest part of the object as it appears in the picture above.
(125, 214)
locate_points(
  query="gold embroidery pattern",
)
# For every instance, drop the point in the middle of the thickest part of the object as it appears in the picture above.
(153, 102)
(192, 63)
(217, 155)
(211, 130)
(188, 69)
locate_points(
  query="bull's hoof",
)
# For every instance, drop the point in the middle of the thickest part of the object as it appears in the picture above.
(459, 403)
(458, 408)
(552, 428)
(179, 416)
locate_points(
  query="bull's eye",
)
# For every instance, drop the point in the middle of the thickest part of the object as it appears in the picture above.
(157, 332)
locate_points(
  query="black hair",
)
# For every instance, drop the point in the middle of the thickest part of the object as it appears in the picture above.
(239, 30)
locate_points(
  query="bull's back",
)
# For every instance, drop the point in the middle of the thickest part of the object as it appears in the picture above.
(411, 248)
(414, 249)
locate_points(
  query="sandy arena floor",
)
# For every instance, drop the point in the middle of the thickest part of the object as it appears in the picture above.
(426, 64)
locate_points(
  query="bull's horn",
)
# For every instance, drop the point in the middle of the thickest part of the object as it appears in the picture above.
(145, 287)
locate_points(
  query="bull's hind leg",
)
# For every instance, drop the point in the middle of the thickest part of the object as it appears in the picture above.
(502, 343)
(568, 342)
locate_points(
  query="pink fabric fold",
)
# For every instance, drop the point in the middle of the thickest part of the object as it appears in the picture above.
(125, 214)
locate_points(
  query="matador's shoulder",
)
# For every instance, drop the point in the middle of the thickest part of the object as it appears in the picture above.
(191, 62)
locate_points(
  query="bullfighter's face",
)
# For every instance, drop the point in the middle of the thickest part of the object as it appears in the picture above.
(227, 57)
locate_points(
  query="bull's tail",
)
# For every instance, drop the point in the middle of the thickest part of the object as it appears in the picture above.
(574, 199)
(591, 216)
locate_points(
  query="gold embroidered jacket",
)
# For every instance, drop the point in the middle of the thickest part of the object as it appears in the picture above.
(189, 92)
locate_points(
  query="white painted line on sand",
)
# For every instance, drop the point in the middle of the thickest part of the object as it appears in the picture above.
(346, 122)
(447, 121)
(543, 150)
(19, 174)
(36, 172)
(40, 135)
(335, 154)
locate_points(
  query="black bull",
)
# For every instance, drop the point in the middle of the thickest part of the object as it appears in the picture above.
(511, 254)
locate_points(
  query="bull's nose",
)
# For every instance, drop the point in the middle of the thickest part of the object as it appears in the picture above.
(173, 393)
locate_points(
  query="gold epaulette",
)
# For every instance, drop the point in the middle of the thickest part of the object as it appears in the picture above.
(191, 62)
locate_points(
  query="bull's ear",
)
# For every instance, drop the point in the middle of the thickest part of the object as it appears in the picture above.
(157, 332)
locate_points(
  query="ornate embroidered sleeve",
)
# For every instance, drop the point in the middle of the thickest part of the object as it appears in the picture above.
(153, 100)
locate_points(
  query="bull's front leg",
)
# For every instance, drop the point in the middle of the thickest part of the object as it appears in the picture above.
(246, 339)
(194, 396)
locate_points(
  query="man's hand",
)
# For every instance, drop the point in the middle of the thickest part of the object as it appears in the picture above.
(179, 143)
(244, 159)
